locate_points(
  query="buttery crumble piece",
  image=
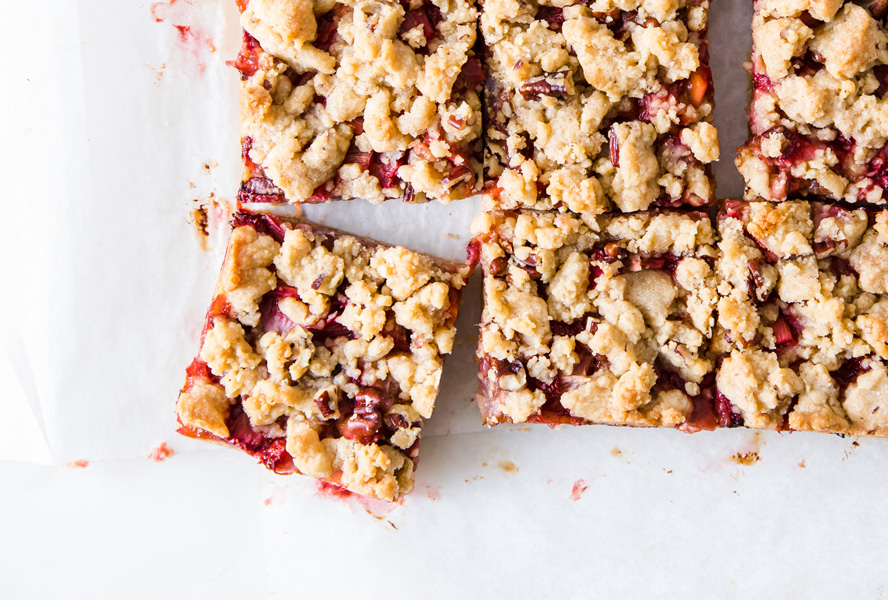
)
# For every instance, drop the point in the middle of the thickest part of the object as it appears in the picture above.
(801, 337)
(596, 320)
(322, 353)
(819, 116)
(372, 99)
(597, 106)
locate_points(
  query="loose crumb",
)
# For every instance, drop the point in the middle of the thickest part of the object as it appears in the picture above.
(747, 459)
(802, 465)
(161, 453)
(78, 464)
(616, 452)
(451, 236)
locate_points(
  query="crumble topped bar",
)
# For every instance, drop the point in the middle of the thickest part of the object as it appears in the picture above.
(596, 321)
(372, 99)
(818, 116)
(802, 330)
(322, 353)
(599, 105)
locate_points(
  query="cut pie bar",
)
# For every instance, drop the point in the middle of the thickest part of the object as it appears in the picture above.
(596, 321)
(819, 116)
(802, 330)
(370, 99)
(322, 353)
(597, 105)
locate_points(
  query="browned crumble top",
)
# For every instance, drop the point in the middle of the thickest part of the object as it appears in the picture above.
(818, 118)
(598, 106)
(802, 326)
(601, 320)
(322, 353)
(370, 99)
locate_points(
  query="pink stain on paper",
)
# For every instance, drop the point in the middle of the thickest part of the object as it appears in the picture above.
(578, 488)
(193, 43)
(78, 464)
(378, 509)
(161, 453)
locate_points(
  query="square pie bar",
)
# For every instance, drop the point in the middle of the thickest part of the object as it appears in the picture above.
(598, 105)
(605, 321)
(819, 115)
(372, 99)
(322, 353)
(802, 330)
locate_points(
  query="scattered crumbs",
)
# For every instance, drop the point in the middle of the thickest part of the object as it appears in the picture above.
(855, 444)
(161, 453)
(802, 465)
(210, 214)
(616, 452)
(210, 165)
(523, 429)
(395, 527)
(191, 185)
(669, 472)
(198, 218)
(579, 487)
(483, 464)
(747, 459)
(451, 236)
(475, 478)
(433, 494)
(508, 466)
(158, 73)
(267, 501)
(78, 464)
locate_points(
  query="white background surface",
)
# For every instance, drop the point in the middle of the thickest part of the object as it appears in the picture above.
(109, 119)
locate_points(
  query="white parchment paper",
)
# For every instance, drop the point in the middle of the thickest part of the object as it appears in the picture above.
(121, 118)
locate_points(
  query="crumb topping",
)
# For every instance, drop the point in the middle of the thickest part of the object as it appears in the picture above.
(818, 117)
(374, 98)
(599, 106)
(329, 354)
(603, 320)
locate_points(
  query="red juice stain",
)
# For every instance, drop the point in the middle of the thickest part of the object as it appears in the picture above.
(192, 43)
(579, 487)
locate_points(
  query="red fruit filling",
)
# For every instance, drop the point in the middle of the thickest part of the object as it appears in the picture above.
(552, 15)
(270, 451)
(247, 61)
(848, 373)
(727, 416)
(782, 333)
(264, 224)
